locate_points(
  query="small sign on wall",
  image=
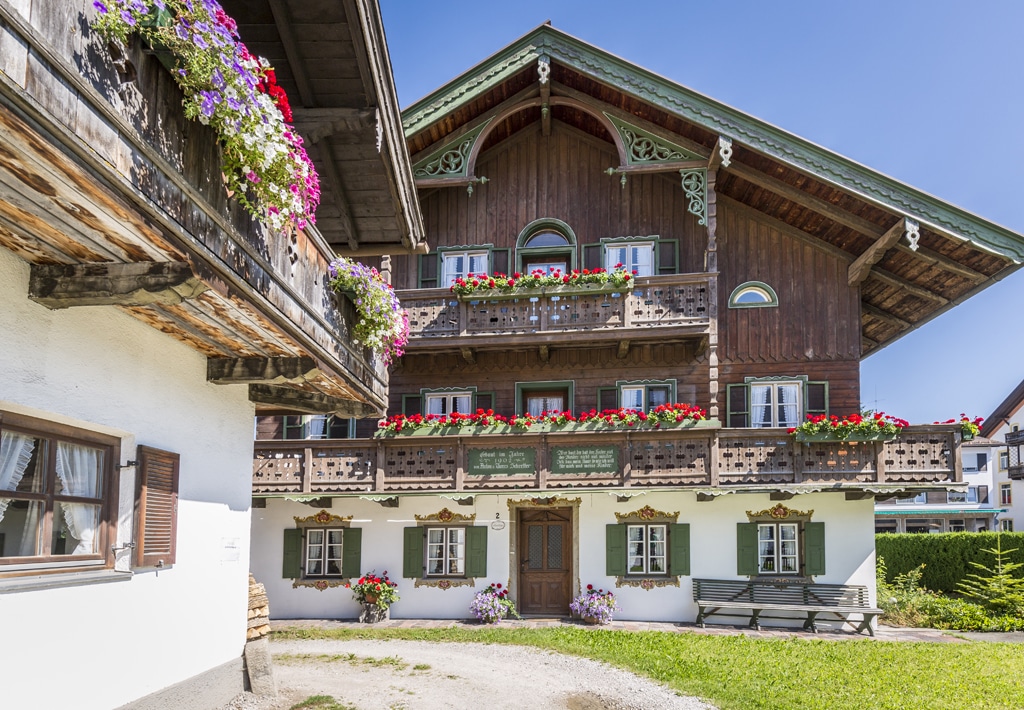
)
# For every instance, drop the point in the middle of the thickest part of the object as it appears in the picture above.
(501, 462)
(584, 459)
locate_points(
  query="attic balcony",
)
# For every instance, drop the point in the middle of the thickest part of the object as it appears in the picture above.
(1015, 449)
(657, 308)
(705, 459)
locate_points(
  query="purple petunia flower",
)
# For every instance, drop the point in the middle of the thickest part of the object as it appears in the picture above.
(127, 17)
(101, 7)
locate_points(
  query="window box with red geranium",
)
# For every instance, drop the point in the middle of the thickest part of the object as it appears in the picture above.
(538, 283)
(869, 426)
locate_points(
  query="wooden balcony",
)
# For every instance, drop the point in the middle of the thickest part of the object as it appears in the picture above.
(705, 459)
(1015, 455)
(658, 308)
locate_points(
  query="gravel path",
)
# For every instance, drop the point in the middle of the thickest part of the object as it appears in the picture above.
(411, 675)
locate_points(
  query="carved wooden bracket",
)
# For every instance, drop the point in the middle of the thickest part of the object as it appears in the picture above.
(254, 370)
(135, 284)
(295, 400)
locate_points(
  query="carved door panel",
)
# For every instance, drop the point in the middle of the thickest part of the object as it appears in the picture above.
(545, 559)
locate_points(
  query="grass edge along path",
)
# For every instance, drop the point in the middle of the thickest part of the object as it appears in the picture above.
(741, 673)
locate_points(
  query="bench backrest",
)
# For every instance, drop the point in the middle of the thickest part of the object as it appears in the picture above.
(789, 593)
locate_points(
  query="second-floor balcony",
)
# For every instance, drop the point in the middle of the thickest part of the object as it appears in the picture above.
(658, 308)
(706, 459)
(1015, 455)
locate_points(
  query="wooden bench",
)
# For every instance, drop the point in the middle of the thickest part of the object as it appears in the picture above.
(727, 597)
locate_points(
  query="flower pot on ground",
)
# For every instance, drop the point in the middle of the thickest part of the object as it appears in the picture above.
(376, 594)
(595, 606)
(492, 605)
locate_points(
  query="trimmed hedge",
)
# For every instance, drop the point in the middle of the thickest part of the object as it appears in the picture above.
(946, 556)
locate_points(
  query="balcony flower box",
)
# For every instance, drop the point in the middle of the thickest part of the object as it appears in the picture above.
(545, 292)
(853, 437)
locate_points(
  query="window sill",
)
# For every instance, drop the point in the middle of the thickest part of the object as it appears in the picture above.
(13, 585)
(648, 583)
(445, 582)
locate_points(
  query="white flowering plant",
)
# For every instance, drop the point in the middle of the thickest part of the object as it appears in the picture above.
(383, 324)
(264, 164)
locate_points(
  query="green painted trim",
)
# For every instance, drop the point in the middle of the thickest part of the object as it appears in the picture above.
(773, 298)
(724, 120)
(522, 387)
(634, 136)
(450, 160)
(546, 224)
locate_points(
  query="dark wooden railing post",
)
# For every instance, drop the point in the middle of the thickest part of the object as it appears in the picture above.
(460, 464)
(796, 455)
(543, 459)
(712, 464)
(378, 478)
(307, 470)
(626, 460)
(880, 474)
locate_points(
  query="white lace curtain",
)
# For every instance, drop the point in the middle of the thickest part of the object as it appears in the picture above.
(78, 468)
(15, 454)
(761, 405)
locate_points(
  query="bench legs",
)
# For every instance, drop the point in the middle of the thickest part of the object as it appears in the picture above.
(866, 624)
(700, 617)
(755, 622)
(809, 625)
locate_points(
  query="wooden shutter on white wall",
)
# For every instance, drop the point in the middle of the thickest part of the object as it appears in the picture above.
(156, 507)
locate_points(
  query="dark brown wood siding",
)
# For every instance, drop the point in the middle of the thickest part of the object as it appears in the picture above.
(561, 176)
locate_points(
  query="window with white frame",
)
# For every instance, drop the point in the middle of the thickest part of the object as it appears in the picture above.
(968, 496)
(57, 496)
(1006, 525)
(1004, 460)
(647, 549)
(637, 257)
(315, 426)
(1005, 494)
(645, 395)
(775, 404)
(460, 264)
(777, 548)
(957, 526)
(443, 403)
(446, 552)
(919, 498)
(323, 552)
(974, 462)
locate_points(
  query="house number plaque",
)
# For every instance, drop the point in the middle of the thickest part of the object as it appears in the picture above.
(501, 462)
(584, 459)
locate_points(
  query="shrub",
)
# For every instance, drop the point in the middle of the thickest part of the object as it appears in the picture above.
(492, 604)
(595, 605)
(946, 556)
(999, 590)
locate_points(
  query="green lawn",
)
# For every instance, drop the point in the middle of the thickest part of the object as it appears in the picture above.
(736, 672)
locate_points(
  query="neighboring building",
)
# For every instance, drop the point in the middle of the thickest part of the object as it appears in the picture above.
(766, 269)
(1004, 423)
(145, 319)
(971, 509)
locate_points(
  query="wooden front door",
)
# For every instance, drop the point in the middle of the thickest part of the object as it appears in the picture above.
(545, 561)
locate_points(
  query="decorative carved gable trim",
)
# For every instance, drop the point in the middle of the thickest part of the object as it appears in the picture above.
(446, 517)
(322, 518)
(779, 512)
(647, 514)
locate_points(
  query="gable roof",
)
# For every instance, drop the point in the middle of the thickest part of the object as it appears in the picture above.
(1003, 413)
(812, 193)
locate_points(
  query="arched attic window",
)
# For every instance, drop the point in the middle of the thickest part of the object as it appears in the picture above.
(753, 294)
(546, 244)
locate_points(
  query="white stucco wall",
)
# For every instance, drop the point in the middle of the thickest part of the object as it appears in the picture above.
(849, 541)
(100, 646)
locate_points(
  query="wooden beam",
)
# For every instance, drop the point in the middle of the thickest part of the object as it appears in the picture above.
(294, 400)
(805, 199)
(136, 284)
(283, 23)
(860, 268)
(780, 495)
(255, 370)
(860, 495)
(315, 124)
(943, 262)
(884, 315)
(915, 290)
(331, 181)
(668, 166)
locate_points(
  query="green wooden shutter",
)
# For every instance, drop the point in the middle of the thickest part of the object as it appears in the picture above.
(668, 256)
(817, 398)
(499, 262)
(412, 404)
(484, 401)
(291, 568)
(814, 548)
(746, 548)
(476, 551)
(679, 549)
(737, 405)
(615, 550)
(607, 398)
(593, 256)
(412, 553)
(428, 270)
(351, 551)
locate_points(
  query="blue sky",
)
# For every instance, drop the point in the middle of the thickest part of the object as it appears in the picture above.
(928, 92)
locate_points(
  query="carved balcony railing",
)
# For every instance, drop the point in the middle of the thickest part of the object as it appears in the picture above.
(1015, 455)
(657, 307)
(578, 458)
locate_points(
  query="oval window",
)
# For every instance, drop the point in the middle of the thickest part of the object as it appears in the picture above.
(753, 294)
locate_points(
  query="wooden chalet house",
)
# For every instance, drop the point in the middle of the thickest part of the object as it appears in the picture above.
(765, 268)
(145, 319)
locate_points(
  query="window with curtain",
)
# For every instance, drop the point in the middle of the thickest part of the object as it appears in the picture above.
(55, 490)
(460, 264)
(448, 403)
(637, 257)
(775, 404)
